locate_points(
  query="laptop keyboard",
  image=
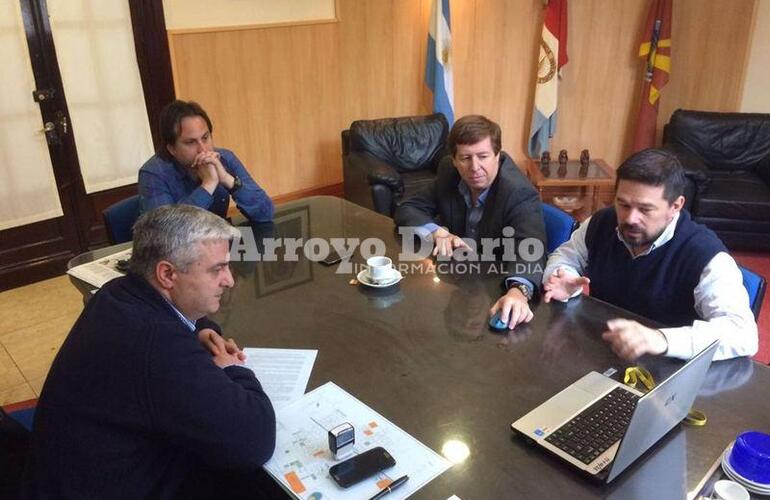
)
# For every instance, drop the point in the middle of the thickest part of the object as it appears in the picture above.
(596, 428)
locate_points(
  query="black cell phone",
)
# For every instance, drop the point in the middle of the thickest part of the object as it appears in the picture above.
(361, 466)
(332, 258)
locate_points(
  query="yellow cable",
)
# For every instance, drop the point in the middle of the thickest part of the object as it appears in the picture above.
(641, 379)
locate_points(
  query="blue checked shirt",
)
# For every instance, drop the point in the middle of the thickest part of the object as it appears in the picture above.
(164, 182)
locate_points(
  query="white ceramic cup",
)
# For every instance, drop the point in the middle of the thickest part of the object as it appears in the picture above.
(380, 268)
(730, 490)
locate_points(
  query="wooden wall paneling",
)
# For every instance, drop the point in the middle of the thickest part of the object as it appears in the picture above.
(496, 43)
(711, 44)
(382, 46)
(280, 96)
(410, 37)
(264, 94)
(601, 84)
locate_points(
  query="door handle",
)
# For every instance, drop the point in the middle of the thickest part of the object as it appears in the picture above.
(51, 136)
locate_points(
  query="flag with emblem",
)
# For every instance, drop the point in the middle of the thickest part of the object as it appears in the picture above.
(656, 51)
(553, 55)
(438, 63)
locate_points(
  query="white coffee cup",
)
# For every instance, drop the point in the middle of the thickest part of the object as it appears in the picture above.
(380, 268)
(730, 490)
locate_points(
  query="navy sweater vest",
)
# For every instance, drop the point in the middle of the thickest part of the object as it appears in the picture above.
(658, 285)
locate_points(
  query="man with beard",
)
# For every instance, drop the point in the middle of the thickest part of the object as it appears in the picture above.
(188, 169)
(645, 254)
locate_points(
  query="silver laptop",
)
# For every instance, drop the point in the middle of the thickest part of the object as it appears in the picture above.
(602, 426)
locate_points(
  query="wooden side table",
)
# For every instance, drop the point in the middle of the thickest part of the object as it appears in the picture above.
(555, 177)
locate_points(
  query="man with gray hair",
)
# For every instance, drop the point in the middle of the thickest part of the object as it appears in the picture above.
(145, 399)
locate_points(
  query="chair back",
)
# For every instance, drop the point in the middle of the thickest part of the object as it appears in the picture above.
(119, 218)
(724, 141)
(755, 285)
(558, 226)
(407, 143)
(25, 417)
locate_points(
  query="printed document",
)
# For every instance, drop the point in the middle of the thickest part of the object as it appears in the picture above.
(283, 373)
(100, 271)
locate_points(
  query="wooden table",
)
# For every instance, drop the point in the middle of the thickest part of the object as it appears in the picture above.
(556, 177)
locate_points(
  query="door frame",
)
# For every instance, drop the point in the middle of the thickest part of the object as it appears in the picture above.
(41, 250)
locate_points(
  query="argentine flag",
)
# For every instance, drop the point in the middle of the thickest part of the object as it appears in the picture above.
(438, 63)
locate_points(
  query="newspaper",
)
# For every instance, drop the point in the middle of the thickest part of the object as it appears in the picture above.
(100, 271)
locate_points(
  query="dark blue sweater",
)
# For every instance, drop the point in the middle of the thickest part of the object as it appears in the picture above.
(133, 403)
(659, 285)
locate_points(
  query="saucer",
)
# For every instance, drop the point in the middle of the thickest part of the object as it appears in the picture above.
(753, 487)
(363, 278)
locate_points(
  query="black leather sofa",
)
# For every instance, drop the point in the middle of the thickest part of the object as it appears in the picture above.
(727, 160)
(385, 161)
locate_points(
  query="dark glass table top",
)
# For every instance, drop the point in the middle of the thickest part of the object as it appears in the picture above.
(420, 354)
(595, 173)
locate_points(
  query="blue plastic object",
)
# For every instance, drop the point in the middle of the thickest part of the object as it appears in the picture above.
(119, 219)
(751, 456)
(558, 226)
(496, 324)
(755, 286)
(24, 417)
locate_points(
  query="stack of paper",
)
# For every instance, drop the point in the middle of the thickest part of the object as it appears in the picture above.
(99, 272)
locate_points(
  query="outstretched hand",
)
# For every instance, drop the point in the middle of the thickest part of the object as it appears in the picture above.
(561, 285)
(630, 339)
(446, 243)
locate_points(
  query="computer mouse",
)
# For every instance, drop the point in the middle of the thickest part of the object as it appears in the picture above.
(496, 324)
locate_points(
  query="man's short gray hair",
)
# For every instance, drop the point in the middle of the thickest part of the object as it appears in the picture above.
(172, 233)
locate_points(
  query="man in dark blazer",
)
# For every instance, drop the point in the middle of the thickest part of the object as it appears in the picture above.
(145, 399)
(480, 194)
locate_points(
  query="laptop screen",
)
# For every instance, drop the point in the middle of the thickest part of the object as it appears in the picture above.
(658, 411)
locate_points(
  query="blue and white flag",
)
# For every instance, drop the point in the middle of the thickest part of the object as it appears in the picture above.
(438, 63)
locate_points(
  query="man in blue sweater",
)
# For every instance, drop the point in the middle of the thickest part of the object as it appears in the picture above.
(645, 254)
(145, 399)
(188, 169)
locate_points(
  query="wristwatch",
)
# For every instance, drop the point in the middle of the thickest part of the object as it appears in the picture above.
(524, 289)
(237, 184)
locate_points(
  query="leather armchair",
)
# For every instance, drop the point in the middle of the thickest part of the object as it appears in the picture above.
(387, 160)
(726, 157)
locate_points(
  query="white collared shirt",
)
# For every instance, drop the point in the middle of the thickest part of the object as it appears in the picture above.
(720, 299)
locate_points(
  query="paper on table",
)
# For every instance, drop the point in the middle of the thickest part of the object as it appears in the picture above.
(99, 272)
(302, 458)
(283, 373)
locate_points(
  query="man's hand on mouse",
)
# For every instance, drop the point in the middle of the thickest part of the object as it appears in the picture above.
(514, 308)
